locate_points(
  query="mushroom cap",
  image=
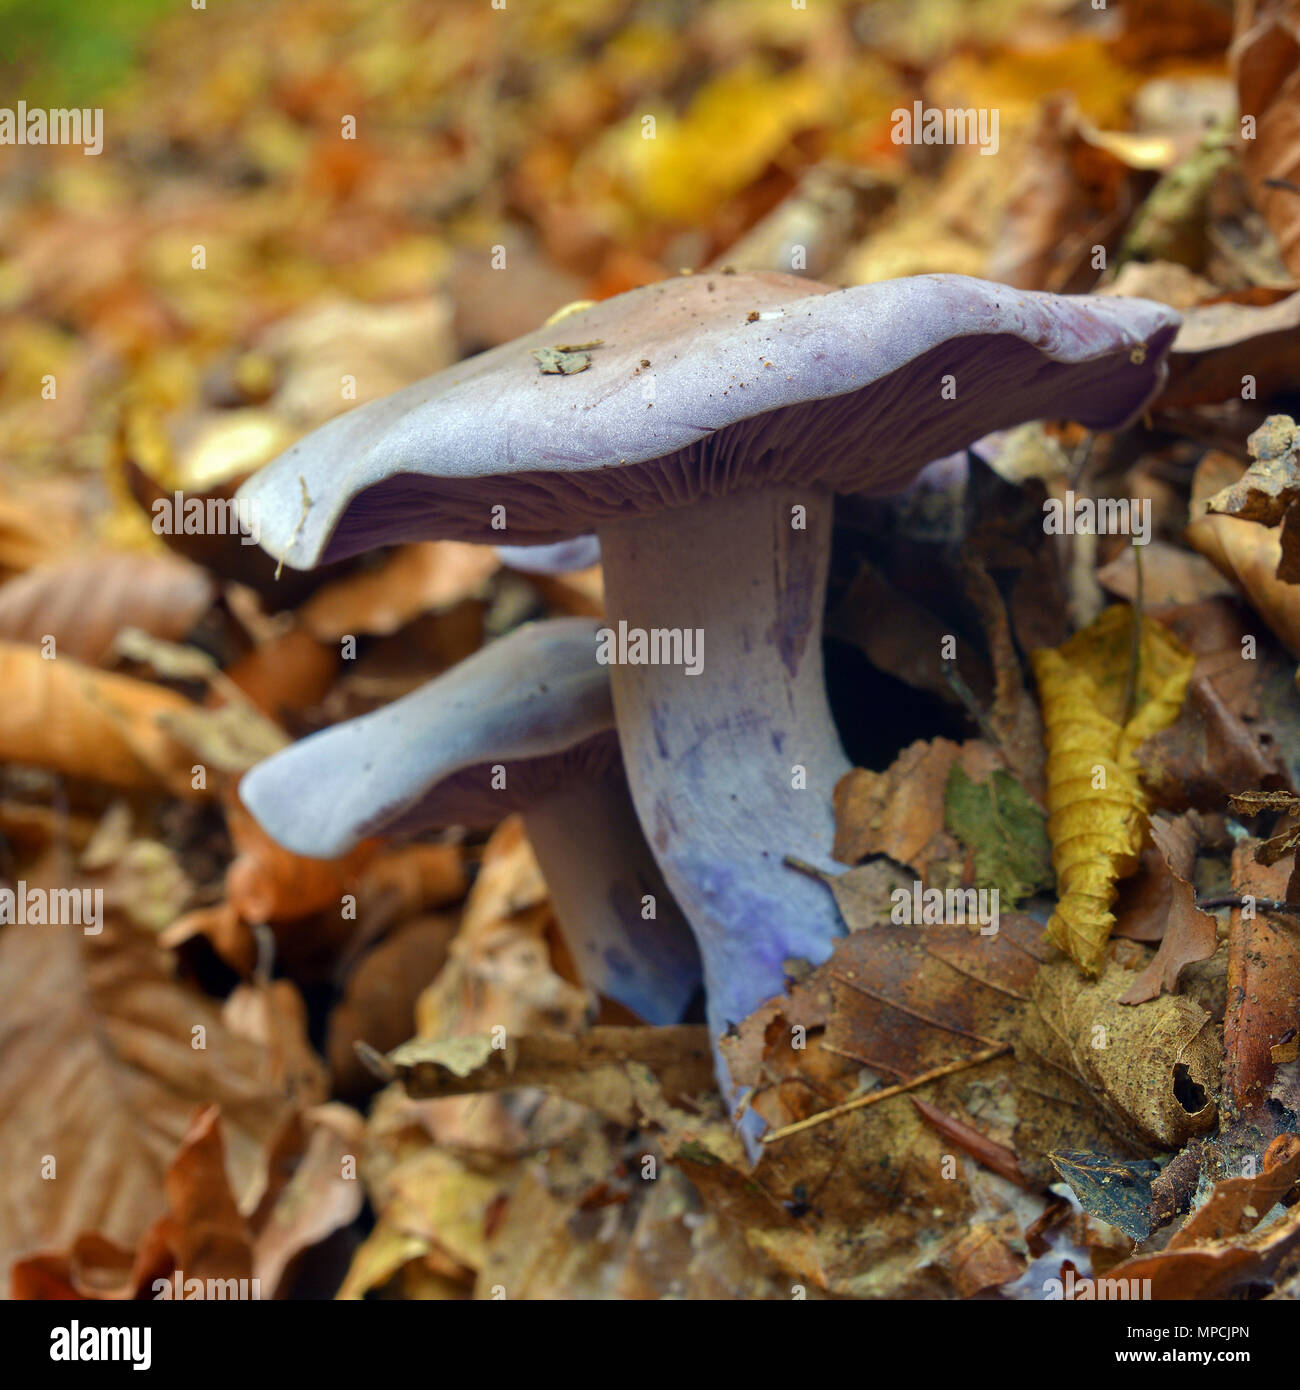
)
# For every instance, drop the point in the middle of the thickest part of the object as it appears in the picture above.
(753, 380)
(536, 702)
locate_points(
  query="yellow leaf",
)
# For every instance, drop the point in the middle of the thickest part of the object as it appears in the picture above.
(737, 124)
(1097, 812)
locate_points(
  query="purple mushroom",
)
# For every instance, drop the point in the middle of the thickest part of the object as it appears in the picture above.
(701, 427)
(524, 724)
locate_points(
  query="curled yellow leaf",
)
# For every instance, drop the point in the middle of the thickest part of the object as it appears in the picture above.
(1097, 812)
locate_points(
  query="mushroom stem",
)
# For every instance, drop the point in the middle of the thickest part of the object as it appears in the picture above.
(599, 872)
(733, 768)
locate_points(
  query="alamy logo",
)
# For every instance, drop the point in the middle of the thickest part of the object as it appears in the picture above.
(77, 1343)
(179, 515)
(933, 125)
(1074, 1289)
(42, 907)
(952, 907)
(179, 1288)
(656, 646)
(1101, 516)
(77, 125)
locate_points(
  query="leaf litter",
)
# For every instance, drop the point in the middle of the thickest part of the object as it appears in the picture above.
(454, 1101)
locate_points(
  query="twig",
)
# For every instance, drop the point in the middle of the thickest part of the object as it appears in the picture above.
(1236, 900)
(1135, 647)
(986, 1055)
(967, 696)
(1079, 462)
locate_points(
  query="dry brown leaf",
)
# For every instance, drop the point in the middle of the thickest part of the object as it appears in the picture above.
(324, 1194)
(377, 348)
(1170, 575)
(1220, 346)
(83, 604)
(1249, 555)
(580, 594)
(1189, 935)
(31, 535)
(892, 1004)
(378, 1004)
(287, 674)
(1236, 1204)
(225, 930)
(267, 883)
(203, 1235)
(1218, 1268)
(602, 1068)
(1068, 195)
(1268, 488)
(436, 1199)
(414, 579)
(94, 724)
(501, 973)
(272, 1016)
(1148, 1076)
(1266, 60)
(1263, 986)
(900, 812)
(102, 1069)
(1205, 752)
(900, 636)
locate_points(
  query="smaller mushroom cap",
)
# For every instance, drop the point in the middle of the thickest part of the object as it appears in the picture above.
(535, 702)
(564, 557)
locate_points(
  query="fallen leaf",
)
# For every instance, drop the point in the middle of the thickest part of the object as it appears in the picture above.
(1117, 1191)
(378, 1004)
(1266, 62)
(900, 812)
(1097, 810)
(1147, 1076)
(1237, 1204)
(411, 580)
(1269, 487)
(1004, 830)
(1223, 348)
(1189, 935)
(101, 1076)
(317, 1200)
(81, 722)
(267, 883)
(1263, 986)
(599, 1068)
(83, 604)
(1213, 1269)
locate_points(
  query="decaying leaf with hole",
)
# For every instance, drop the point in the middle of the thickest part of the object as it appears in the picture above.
(1142, 1080)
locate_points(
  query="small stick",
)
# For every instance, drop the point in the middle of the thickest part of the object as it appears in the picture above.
(1135, 650)
(1080, 462)
(967, 696)
(1235, 900)
(986, 1055)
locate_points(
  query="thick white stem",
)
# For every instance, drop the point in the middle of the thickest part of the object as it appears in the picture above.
(603, 880)
(733, 768)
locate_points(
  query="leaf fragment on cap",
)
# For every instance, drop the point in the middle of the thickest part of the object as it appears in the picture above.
(559, 362)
